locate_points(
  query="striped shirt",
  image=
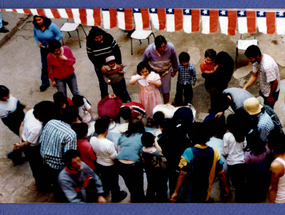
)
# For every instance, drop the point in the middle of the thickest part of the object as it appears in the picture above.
(269, 72)
(186, 74)
(137, 109)
(57, 138)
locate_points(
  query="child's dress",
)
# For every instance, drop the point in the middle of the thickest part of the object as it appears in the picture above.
(149, 95)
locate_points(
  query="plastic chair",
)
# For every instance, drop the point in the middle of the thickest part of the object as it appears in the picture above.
(68, 27)
(243, 44)
(141, 35)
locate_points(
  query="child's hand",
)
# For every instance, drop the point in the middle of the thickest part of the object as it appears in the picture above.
(62, 57)
(173, 74)
(151, 82)
(193, 84)
(112, 96)
(108, 81)
(216, 67)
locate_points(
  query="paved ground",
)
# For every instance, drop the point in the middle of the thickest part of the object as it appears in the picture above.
(20, 72)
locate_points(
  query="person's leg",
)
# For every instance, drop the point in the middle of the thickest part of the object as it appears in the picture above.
(1, 24)
(61, 85)
(165, 87)
(237, 177)
(72, 84)
(150, 193)
(120, 89)
(161, 186)
(188, 93)
(178, 95)
(44, 75)
(102, 84)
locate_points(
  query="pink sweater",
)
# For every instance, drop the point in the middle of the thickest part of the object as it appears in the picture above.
(60, 69)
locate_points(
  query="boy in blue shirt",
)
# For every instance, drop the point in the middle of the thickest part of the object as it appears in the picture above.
(186, 78)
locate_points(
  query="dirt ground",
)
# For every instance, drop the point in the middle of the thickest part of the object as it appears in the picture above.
(20, 72)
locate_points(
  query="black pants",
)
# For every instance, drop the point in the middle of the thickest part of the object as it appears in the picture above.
(102, 84)
(110, 179)
(185, 90)
(237, 176)
(133, 177)
(120, 90)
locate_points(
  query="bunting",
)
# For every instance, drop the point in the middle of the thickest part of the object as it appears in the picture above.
(158, 18)
(228, 22)
(246, 21)
(266, 22)
(280, 23)
(191, 20)
(174, 19)
(141, 17)
(210, 20)
(125, 19)
(109, 18)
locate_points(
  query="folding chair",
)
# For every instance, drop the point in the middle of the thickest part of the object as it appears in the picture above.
(68, 27)
(141, 35)
(243, 44)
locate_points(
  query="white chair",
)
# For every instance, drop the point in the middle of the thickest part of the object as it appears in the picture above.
(141, 35)
(243, 44)
(68, 27)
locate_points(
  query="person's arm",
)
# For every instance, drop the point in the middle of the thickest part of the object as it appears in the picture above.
(156, 145)
(211, 71)
(135, 78)
(36, 38)
(251, 80)
(21, 131)
(276, 170)
(225, 147)
(50, 69)
(194, 76)
(68, 190)
(112, 151)
(174, 61)
(180, 181)
(68, 57)
(223, 179)
(270, 99)
(93, 117)
(118, 148)
(156, 82)
(56, 31)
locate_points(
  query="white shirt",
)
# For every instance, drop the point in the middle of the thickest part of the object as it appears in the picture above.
(104, 150)
(233, 150)
(83, 111)
(7, 107)
(32, 128)
(280, 196)
(269, 72)
(167, 110)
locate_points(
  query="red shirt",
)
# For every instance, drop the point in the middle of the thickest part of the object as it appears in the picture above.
(109, 107)
(86, 153)
(137, 109)
(207, 66)
(60, 69)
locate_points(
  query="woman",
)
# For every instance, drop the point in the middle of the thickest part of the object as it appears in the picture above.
(129, 165)
(60, 62)
(44, 32)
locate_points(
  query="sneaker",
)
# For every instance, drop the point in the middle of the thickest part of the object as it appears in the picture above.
(4, 30)
(43, 88)
(4, 22)
(122, 195)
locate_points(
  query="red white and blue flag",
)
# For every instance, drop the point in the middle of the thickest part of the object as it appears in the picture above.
(158, 18)
(280, 22)
(265, 22)
(210, 21)
(228, 22)
(141, 17)
(125, 19)
(174, 19)
(109, 18)
(246, 21)
(191, 20)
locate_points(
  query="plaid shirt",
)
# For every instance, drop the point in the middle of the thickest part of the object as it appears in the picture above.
(264, 126)
(56, 138)
(186, 74)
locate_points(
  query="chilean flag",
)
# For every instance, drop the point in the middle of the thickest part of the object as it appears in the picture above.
(265, 22)
(280, 23)
(174, 19)
(158, 18)
(210, 20)
(141, 17)
(246, 21)
(125, 19)
(109, 18)
(228, 22)
(191, 20)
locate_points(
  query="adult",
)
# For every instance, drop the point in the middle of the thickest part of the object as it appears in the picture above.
(129, 162)
(2, 23)
(198, 167)
(269, 74)
(263, 117)
(45, 31)
(78, 181)
(100, 45)
(110, 106)
(162, 58)
(60, 62)
(57, 138)
(276, 193)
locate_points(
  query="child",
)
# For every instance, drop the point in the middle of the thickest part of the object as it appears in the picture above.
(83, 146)
(132, 110)
(105, 167)
(154, 165)
(208, 67)
(149, 82)
(84, 108)
(186, 78)
(234, 142)
(114, 75)
(61, 101)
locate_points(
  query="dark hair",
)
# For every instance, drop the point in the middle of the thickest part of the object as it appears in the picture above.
(59, 98)
(142, 65)
(45, 111)
(234, 124)
(102, 125)
(70, 114)
(77, 100)
(158, 117)
(254, 143)
(147, 139)
(135, 126)
(53, 45)
(224, 58)
(81, 129)
(159, 40)
(252, 51)
(125, 112)
(224, 102)
(199, 133)
(184, 57)
(211, 53)
(69, 155)
(276, 142)
(95, 31)
(4, 91)
(46, 22)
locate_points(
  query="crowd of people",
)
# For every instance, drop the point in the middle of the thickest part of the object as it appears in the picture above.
(180, 157)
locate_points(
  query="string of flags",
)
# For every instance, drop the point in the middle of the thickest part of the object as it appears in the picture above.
(172, 19)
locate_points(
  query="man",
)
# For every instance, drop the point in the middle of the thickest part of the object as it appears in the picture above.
(263, 117)
(101, 45)
(269, 74)
(162, 57)
(198, 166)
(57, 138)
(78, 182)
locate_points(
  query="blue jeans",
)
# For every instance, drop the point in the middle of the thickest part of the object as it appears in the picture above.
(70, 81)
(1, 25)
(120, 90)
(44, 75)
